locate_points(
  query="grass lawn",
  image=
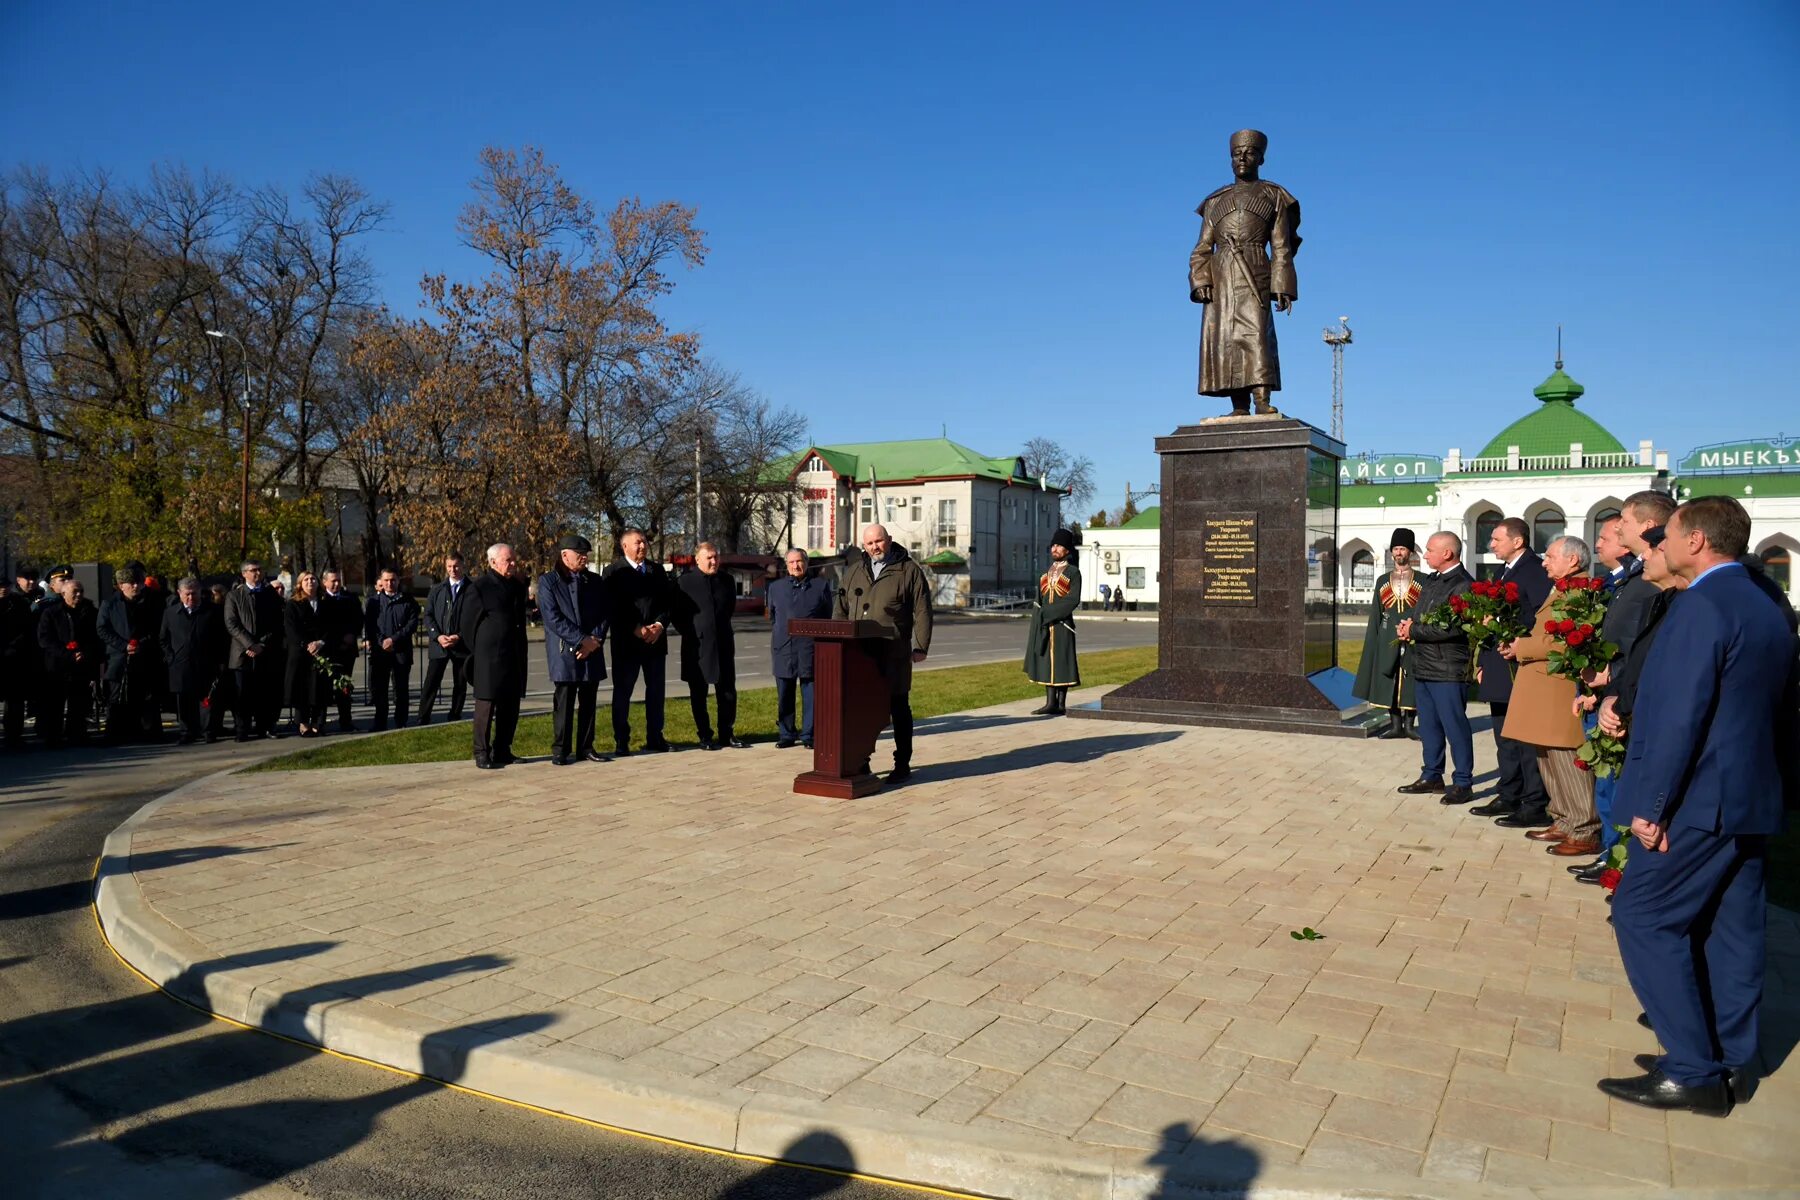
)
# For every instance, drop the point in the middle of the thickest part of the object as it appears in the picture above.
(953, 689)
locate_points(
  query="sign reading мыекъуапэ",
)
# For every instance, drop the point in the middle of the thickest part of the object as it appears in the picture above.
(1228, 559)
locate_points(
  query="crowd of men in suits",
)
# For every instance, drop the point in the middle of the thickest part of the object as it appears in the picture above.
(251, 651)
(1704, 690)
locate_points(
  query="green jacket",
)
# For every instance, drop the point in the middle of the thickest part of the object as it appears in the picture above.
(900, 600)
(1050, 643)
(1383, 677)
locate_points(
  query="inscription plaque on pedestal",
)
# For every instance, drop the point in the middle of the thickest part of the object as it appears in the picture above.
(1228, 559)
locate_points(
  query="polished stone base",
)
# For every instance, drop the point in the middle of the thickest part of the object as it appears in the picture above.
(1318, 705)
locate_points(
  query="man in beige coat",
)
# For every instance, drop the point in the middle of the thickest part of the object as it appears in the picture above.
(1542, 715)
(886, 585)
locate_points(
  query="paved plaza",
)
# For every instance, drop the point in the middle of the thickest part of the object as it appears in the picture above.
(1057, 963)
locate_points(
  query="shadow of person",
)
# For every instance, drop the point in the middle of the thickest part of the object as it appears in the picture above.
(1192, 1167)
(174, 1070)
(75, 893)
(1067, 752)
(293, 1135)
(49, 1041)
(783, 1181)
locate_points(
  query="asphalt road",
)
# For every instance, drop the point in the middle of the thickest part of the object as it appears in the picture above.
(109, 1089)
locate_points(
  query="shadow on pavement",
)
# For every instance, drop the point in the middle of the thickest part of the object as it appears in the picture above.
(1194, 1167)
(62, 897)
(778, 1181)
(957, 723)
(1063, 753)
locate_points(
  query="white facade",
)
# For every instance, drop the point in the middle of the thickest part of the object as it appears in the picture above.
(1127, 557)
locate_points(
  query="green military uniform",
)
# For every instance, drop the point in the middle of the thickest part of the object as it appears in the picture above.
(1050, 642)
(1382, 678)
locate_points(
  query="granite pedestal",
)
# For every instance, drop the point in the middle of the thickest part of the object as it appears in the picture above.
(1248, 615)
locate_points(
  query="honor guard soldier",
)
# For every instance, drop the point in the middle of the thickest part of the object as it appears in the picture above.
(1050, 643)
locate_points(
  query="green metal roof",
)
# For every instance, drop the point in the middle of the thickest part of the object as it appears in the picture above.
(1150, 518)
(1376, 495)
(1555, 426)
(924, 458)
(1734, 485)
(946, 558)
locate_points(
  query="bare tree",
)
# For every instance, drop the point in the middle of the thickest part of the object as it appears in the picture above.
(1047, 458)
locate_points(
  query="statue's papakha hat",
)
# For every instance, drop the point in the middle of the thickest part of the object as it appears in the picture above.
(1252, 137)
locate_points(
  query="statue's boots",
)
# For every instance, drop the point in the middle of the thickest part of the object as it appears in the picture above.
(1264, 406)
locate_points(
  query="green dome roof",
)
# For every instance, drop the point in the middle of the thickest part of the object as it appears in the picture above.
(1555, 426)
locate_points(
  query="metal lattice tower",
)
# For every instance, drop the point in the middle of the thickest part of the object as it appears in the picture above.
(1337, 339)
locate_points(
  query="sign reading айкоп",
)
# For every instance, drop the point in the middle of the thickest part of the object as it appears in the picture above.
(1379, 468)
(1228, 559)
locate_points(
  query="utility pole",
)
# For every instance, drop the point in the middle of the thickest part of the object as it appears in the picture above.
(1337, 339)
(696, 484)
(244, 486)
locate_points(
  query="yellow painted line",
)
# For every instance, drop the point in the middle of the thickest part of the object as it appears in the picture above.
(548, 1112)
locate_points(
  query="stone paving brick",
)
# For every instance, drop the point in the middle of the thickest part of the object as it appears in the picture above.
(1112, 967)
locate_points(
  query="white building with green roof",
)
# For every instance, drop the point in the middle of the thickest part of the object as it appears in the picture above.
(1562, 472)
(981, 523)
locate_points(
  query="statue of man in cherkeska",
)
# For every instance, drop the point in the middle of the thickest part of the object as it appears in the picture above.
(1243, 264)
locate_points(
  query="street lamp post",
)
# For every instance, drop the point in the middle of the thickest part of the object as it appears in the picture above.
(244, 488)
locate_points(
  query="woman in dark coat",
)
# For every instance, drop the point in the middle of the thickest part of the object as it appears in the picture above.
(308, 617)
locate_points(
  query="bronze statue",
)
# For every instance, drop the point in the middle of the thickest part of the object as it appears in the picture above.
(1243, 262)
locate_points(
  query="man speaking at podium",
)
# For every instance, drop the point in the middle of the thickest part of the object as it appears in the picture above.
(886, 586)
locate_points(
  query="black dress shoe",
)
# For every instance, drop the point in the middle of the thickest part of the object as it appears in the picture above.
(807, 743)
(1424, 785)
(623, 752)
(900, 774)
(1525, 820)
(1591, 873)
(505, 758)
(1457, 795)
(737, 743)
(242, 737)
(786, 744)
(1740, 1080)
(656, 747)
(558, 760)
(1656, 1090)
(1494, 808)
(485, 763)
(1644, 1020)
(1578, 868)
(595, 756)
(710, 744)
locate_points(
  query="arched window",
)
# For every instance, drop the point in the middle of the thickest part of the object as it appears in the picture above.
(1546, 527)
(1484, 529)
(1778, 565)
(1362, 569)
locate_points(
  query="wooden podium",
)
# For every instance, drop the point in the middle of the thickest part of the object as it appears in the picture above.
(850, 705)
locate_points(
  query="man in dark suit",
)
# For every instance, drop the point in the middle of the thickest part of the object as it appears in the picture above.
(492, 630)
(572, 601)
(1521, 801)
(21, 660)
(642, 604)
(130, 627)
(343, 636)
(704, 602)
(1439, 661)
(443, 608)
(797, 596)
(1702, 786)
(257, 624)
(193, 650)
(389, 622)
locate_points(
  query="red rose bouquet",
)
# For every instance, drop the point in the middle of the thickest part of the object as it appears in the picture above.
(1577, 611)
(1487, 614)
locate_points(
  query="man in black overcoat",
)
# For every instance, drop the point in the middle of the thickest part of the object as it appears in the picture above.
(705, 600)
(21, 660)
(798, 595)
(1521, 801)
(443, 609)
(192, 639)
(70, 643)
(389, 622)
(642, 603)
(131, 627)
(492, 629)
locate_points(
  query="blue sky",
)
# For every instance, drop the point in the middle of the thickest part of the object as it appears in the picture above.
(977, 216)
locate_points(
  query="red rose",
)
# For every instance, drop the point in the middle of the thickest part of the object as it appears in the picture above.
(1595, 585)
(1550, 626)
(1587, 630)
(1581, 764)
(72, 646)
(1609, 878)
(1562, 585)
(132, 644)
(1512, 593)
(1576, 638)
